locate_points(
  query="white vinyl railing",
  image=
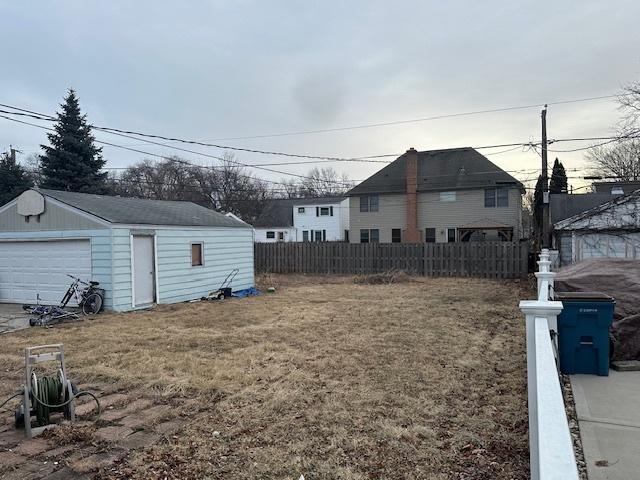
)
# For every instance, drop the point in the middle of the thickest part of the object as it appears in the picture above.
(550, 445)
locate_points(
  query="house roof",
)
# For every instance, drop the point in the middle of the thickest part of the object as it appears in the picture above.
(567, 223)
(276, 213)
(317, 200)
(625, 186)
(438, 170)
(565, 205)
(142, 211)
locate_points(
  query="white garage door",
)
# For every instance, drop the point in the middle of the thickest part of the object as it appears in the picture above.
(599, 245)
(30, 268)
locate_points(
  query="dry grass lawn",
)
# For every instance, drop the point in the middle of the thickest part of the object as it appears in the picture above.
(326, 378)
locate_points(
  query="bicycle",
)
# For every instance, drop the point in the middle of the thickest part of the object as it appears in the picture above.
(89, 299)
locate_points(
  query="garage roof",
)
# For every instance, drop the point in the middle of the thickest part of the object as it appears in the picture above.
(138, 211)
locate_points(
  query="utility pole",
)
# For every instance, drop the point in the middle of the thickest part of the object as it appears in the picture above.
(12, 154)
(545, 184)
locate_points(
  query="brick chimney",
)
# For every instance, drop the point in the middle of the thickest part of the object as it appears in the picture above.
(412, 234)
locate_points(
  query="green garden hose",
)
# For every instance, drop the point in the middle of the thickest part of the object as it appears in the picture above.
(52, 395)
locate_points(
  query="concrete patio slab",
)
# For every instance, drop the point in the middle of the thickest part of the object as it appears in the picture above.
(609, 420)
(12, 317)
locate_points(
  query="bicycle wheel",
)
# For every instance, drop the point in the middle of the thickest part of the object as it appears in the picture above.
(92, 304)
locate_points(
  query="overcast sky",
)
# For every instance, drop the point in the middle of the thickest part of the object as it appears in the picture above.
(210, 70)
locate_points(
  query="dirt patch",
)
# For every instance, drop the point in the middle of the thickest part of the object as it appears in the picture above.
(324, 378)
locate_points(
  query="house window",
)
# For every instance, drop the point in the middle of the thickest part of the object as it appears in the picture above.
(396, 235)
(196, 255)
(300, 209)
(451, 235)
(369, 203)
(502, 194)
(324, 211)
(490, 197)
(430, 235)
(271, 234)
(447, 196)
(305, 235)
(496, 197)
(280, 236)
(371, 235)
(320, 235)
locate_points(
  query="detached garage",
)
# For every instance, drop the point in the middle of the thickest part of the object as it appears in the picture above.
(610, 230)
(141, 251)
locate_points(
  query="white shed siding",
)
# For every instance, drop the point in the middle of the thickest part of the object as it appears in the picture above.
(223, 250)
(121, 268)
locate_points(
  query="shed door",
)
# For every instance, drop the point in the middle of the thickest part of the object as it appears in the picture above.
(143, 271)
(32, 268)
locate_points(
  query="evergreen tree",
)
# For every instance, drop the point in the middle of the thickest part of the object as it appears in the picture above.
(558, 182)
(13, 178)
(72, 162)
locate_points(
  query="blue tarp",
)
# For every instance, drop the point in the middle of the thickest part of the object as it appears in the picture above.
(247, 292)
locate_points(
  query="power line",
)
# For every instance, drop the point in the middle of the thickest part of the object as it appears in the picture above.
(348, 184)
(416, 120)
(316, 157)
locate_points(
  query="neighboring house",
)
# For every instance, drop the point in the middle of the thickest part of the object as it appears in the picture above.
(565, 205)
(304, 220)
(616, 188)
(609, 230)
(437, 196)
(141, 251)
(275, 223)
(321, 219)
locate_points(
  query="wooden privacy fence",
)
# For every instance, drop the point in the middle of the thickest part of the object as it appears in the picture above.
(467, 259)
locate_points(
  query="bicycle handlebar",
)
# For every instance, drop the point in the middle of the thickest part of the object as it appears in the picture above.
(77, 279)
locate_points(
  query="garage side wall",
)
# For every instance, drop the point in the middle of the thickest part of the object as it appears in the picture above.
(177, 281)
(223, 250)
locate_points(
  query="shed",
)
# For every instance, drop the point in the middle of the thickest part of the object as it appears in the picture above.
(141, 251)
(610, 230)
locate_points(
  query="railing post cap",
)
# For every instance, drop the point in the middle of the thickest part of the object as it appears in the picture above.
(545, 275)
(540, 307)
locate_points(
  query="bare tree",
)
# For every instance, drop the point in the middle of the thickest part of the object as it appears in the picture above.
(629, 102)
(620, 160)
(171, 179)
(319, 182)
(230, 188)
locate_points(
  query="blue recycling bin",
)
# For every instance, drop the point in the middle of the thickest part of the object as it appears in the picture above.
(583, 332)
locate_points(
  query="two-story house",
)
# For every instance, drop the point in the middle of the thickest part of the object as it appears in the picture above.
(323, 219)
(447, 195)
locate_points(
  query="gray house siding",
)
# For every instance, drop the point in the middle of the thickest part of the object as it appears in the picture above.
(392, 213)
(55, 217)
(468, 207)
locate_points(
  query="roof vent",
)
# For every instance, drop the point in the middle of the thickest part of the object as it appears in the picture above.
(462, 171)
(617, 191)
